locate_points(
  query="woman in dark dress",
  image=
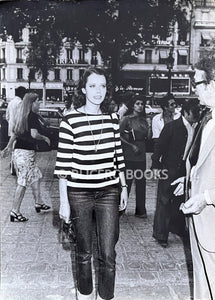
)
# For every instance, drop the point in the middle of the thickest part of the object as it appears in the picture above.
(134, 133)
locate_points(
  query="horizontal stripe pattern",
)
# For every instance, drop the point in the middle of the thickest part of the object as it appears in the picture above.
(76, 156)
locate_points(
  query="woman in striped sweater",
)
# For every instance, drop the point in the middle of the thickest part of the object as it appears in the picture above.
(90, 166)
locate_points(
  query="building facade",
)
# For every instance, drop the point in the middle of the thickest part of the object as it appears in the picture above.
(145, 71)
(148, 71)
(63, 79)
(203, 28)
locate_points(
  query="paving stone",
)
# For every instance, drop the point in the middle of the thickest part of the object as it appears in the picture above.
(37, 266)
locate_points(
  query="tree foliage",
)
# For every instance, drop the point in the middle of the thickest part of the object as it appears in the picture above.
(112, 27)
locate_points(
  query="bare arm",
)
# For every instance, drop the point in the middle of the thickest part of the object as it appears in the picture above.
(124, 192)
(5, 152)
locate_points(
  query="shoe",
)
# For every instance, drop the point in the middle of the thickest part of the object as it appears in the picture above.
(39, 207)
(85, 297)
(163, 244)
(143, 216)
(17, 217)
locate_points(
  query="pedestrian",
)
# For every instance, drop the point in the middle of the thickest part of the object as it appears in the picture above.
(26, 132)
(200, 187)
(90, 166)
(68, 105)
(134, 133)
(113, 106)
(168, 106)
(13, 107)
(169, 159)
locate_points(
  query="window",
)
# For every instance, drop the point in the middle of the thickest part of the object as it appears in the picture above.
(205, 39)
(182, 57)
(57, 74)
(81, 57)
(81, 72)
(31, 74)
(2, 56)
(69, 74)
(3, 74)
(19, 73)
(163, 56)
(19, 55)
(94, 60)
(148, 56)
(3, 52)
(69, 54)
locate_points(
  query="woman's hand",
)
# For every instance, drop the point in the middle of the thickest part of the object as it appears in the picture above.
(123, 199)
(64, 211)
(5, 152)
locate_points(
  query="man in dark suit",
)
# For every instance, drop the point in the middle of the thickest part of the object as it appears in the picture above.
(169, 156)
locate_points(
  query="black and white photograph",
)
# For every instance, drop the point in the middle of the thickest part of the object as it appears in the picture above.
(107, 149)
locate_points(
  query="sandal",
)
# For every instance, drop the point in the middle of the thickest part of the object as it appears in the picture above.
(17, 217)
(39, 207)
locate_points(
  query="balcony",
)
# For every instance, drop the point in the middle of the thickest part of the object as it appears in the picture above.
(19, 60)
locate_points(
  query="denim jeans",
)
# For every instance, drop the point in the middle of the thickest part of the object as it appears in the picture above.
(103, 203)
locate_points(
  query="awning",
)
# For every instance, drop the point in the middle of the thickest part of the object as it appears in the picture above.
(163, 54)
(206, 36)
(183, 52)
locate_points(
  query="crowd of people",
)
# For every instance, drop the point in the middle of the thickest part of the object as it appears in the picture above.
(102, 150)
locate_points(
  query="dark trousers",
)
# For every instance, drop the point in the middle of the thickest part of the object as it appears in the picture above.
(135, 171)
(104, 205)
(168, 217)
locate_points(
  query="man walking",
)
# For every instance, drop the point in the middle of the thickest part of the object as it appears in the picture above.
(12, 109)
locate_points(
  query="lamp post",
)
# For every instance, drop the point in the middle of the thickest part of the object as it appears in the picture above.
(169, 64)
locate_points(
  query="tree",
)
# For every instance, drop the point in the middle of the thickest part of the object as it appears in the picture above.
(45, 39)
(44, 50)
(112, 27)
(116, 27)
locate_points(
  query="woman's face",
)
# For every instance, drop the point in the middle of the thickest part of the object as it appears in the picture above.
(138, 106)
(36, 105)
(95, 89)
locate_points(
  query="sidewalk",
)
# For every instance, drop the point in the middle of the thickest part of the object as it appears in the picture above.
(35, 266)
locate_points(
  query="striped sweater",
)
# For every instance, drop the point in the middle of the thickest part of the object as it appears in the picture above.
(89, 150)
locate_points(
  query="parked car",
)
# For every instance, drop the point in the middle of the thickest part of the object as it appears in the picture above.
(152, 110)
(51, 131)
(52, 116)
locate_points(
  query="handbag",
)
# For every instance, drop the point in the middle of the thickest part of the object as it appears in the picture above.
(67, 232)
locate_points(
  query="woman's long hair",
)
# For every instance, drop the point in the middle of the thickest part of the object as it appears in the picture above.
(80, 98)
(26, 106)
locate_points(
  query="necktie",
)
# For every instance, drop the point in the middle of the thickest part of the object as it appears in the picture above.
(194, 152)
